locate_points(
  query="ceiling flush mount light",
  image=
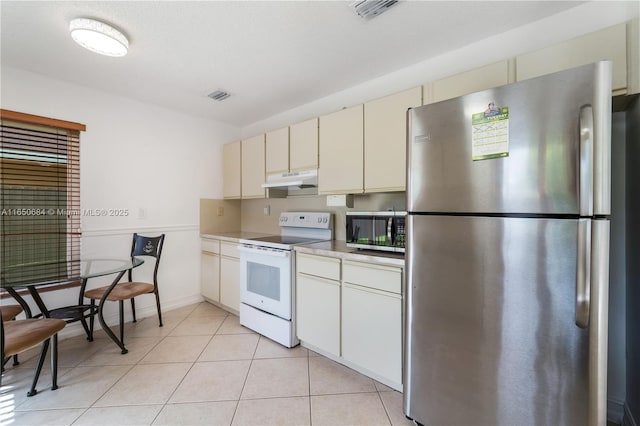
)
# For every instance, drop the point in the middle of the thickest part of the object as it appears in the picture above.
(98, 37)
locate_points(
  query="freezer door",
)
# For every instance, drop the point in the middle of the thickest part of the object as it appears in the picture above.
(491, 333)
(540, 146)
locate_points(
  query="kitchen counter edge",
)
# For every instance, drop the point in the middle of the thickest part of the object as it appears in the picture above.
(340, 250)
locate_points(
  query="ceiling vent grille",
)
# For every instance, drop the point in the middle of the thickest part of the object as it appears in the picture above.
(219, 95)
(368, 9)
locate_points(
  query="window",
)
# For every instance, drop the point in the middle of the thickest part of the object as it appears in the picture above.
(39, 199)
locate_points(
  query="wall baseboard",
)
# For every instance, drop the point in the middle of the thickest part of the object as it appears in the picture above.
(628, 420)
(75, 329)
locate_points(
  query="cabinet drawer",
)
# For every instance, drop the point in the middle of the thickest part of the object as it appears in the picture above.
(211, 246)
(379, 277)
(229, 249)
(320, 266)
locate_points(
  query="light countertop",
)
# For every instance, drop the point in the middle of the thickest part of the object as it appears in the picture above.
(333, 248)
(340, 250)
(234, 236)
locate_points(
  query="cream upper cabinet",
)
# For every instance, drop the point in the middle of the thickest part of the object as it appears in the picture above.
(341, 152)
(231, 166)
(303, 145)
(482, 78)
(277, 151)
(253, 167)
(610, 43)
(385, 140)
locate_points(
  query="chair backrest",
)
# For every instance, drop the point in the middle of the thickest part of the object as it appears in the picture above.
(148, 246)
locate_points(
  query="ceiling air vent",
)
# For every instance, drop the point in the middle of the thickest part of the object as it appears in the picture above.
(218, 95)
(368, 9)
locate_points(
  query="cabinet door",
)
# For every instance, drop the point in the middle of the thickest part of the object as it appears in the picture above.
(230, 283)
(210, 276)
(610, 43)
(385, 140)
(341, 152)
(318, 312)
(475, 80)
(303, 145)
(253, 165)
(231, 166)
(372, 331)
(277, 151)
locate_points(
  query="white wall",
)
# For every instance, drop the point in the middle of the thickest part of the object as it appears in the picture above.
(572, 23)
(133, 156)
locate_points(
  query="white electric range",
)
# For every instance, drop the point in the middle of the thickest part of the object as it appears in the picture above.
(267, 293)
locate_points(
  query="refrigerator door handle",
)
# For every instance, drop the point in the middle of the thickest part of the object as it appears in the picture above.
(583, 273)
(586, 161)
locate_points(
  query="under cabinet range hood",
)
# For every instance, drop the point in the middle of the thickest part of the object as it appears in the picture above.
(300, 179)
(282, 185)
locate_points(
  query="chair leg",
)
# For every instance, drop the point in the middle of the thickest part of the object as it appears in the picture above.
(91, 319)
(15, 360)
(54, 362)
(43, 354)
(121, 303)
(133, 308)
(158, 305)
(86, 328)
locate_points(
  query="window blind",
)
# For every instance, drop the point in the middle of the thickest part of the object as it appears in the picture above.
(39, 199)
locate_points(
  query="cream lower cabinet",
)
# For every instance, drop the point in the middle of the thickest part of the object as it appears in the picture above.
(210, 270)
(230, 276)
(372, 320)
(318, 302)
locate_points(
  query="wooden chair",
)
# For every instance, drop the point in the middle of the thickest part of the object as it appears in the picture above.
(141, 246)
(9, 312)
(20, 335)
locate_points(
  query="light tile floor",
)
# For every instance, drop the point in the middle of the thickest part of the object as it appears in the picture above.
(202, 367)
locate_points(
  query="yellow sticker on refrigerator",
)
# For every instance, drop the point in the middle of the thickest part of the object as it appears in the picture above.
(490, 133)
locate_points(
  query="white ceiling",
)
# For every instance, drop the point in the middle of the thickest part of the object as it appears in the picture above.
(271, 56)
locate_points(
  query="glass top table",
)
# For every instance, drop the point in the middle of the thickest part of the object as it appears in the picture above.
(37, 275)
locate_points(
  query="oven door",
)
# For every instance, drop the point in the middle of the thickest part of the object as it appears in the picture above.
(265, 279)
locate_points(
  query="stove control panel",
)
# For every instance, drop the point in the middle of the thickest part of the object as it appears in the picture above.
(319, 220)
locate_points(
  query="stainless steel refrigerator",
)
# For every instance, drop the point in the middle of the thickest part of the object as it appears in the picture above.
(508, 197)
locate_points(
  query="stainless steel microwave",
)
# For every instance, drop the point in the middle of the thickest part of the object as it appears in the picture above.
(376, 230)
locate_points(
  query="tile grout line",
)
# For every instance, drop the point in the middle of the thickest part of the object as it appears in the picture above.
(309, 380)
(192, 364)
(235, 412)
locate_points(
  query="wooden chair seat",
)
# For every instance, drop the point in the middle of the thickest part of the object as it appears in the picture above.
(122, 291)
(21, 335)
(9, 312)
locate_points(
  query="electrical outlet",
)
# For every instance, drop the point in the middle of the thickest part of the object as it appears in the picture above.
(220, 210)
(267, 210)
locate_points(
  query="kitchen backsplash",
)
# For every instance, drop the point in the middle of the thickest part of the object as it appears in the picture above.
(249, 215)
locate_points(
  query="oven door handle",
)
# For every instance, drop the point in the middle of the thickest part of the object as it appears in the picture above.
(264, 251)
